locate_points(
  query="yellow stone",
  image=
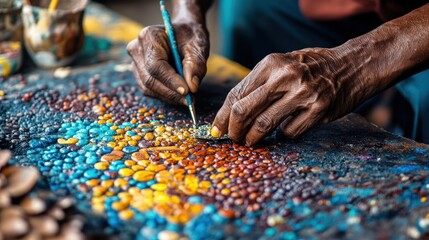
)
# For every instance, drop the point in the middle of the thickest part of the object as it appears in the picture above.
(107, 183)
(155, 167)
(110, 193)
(159, 186)
(126, 214)
(161, 198)
(165, 155)
(137, 167)
(120, 131)
(92, 182)
(205, 184)
(191, 182)
(98, 191)
(129, 163)
(132, 142)
(147, 193)
(114, 127)
(98, 208)
(118, 206)
(160, 129)
(225, 191)
(143, 176)
(136, 137)
(126, 172)
(101, 165)
(226, 181)
(175, 199)
(111, 144)
(149, 136)
(110, 157)
(69, 141)
(144, 163)
(134, 190)
(120, 182)
(163, 176)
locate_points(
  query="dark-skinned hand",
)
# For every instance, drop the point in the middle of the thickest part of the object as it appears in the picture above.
(301, 89)
(153, 64)
(295, 90)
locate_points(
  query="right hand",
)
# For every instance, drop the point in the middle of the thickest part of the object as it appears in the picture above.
(153, 63)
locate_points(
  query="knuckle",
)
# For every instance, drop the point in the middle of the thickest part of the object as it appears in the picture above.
(263, 124)
(233, 95)
(146, 31)
(149, 82)
(153, 69)
(131, 47)
(273, 57)
(289, 133)
(238, 112)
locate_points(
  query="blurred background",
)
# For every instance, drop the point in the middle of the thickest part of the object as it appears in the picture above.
(147, 12)
(378, 110)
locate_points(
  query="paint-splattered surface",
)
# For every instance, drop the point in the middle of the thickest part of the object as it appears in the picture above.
(137, 172)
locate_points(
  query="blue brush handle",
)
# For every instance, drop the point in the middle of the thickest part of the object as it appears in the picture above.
(170, 33)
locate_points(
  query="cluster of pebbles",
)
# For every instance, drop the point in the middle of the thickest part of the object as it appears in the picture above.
(27, 216)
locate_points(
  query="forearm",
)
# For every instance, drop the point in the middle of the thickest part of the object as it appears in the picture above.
(392, 51)
(190, 10)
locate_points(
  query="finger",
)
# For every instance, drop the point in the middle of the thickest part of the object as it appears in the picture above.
(245, 87)
(153, 88)
(194, 65)
(268, 120)
(155, 59)
(244, 112)
(301, 123)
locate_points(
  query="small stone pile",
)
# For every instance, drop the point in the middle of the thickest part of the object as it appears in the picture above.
(26, 216)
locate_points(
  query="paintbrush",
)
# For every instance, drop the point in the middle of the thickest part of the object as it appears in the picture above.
(178, 62)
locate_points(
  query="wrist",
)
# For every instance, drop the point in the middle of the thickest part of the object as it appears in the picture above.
(189, 12)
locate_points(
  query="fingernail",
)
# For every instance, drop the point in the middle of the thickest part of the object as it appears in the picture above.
(215, 132)
(181, 90)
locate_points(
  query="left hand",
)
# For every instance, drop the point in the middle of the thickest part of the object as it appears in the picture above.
(296, 90)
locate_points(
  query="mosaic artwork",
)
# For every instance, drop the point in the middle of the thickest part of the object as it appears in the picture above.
(135, 169)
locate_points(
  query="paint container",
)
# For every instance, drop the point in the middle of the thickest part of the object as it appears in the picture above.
(10, 57)
(10, 36)
(54, 38)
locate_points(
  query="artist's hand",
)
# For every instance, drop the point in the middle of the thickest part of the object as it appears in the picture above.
(153, 63)
(295, 90)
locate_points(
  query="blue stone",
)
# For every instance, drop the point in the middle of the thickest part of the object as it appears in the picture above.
(130, 149)
(91, 160)
(131, 133)
(35, 143)
(56, 163)
(91, 173)
(67, 166)
(141, 185)
(72, 154)
(80, 159)
(64, 150)
(195, 200)
(90, 148)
